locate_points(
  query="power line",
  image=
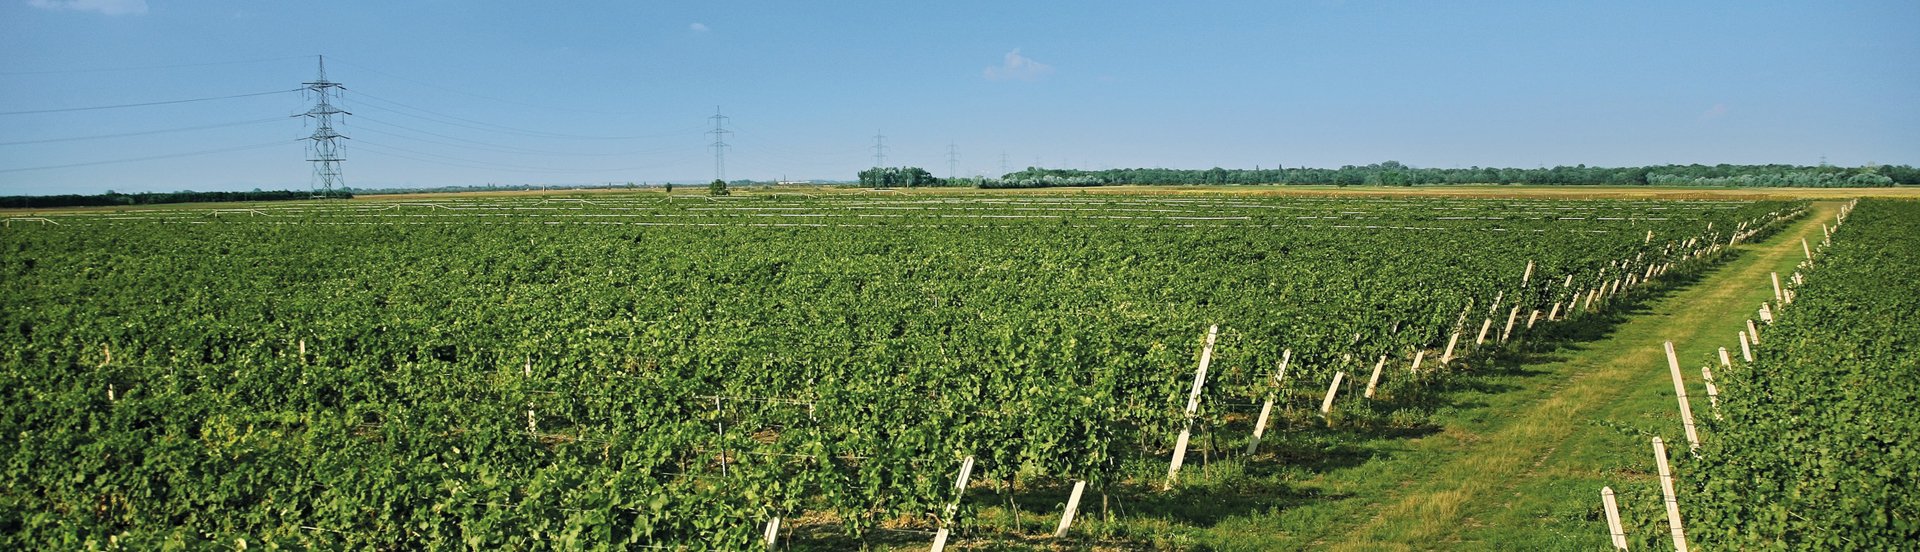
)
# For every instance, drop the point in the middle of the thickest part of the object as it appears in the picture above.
(471, 94)
(489, 165)
(145, 104)
(143, 133)
(149, 67)
(879, 150)
(490, 127)
(488, 146)
(151, 157)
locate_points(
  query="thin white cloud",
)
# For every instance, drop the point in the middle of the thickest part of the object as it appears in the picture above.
(698, 27)
(1017, 67)
(107, 7)
(1715, 112)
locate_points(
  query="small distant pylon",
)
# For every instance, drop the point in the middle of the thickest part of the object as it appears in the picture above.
(719, 144)
(322, 148)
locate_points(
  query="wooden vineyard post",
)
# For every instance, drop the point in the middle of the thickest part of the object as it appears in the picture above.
(1753, 333)
(1447, 357)
(1804, 247)
(1589, 304)
(946, 521)
(772, 535)
(720, 426)
(1374, 382)
(1484, 326)
(1417, 356)
(1193, 404)
(1680, 391)
(1266, 408)
(303, 349)
(1746, 351)
(1555, 314)
(1073, 505)
(1507, 332)
(1531, 318)
(1766, 312)
(1724, 361)
(1614, 530)
(106, 354)
(1777, 296)
(1713, 393)
(1666, 490)
(1528, 277)
(1326, 406)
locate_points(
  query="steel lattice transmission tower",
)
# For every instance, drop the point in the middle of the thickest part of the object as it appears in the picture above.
(879, 149)
(323, 149)
(719, 144)
(953, 159)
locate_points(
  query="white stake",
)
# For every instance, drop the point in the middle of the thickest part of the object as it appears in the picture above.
(1528, 277)
(1804, 247)
(1724, 361)
(1680, 392)
(1555, 315)
(1326, 406)
(1777, 296)
(1484, 326)
(1531, 318)
(772, 534)
(1447, 357)
(1746, 351)
(1614, 530)
(1713, 393)
(1511, 316)
(1374, 382)
(959, 488)
(1193, 404)
(1266, 409)
(1753, 333)
(1417, 355)
(107, 352)
(1073, 506)
(1666, 489)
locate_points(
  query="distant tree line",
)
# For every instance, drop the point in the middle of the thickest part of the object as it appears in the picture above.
(904, 177)
(1393, 173)
(151, 198)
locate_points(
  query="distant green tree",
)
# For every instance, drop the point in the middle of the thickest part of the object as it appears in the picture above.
(718, 187)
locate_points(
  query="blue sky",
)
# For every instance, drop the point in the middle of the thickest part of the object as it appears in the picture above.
(451, 92)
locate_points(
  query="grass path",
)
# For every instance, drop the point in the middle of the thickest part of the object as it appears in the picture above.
(1522, 469)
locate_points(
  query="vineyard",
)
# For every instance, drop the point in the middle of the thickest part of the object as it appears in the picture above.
(1811, 445)
(639, 371)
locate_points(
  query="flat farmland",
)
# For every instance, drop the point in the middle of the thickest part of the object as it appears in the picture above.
(632, 369)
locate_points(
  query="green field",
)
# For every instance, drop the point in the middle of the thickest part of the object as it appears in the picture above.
(635, 370)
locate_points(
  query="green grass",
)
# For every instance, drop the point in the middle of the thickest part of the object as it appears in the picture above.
(1509, 455)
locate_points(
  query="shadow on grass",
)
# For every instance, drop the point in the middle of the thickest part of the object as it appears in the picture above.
(1221, 482)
